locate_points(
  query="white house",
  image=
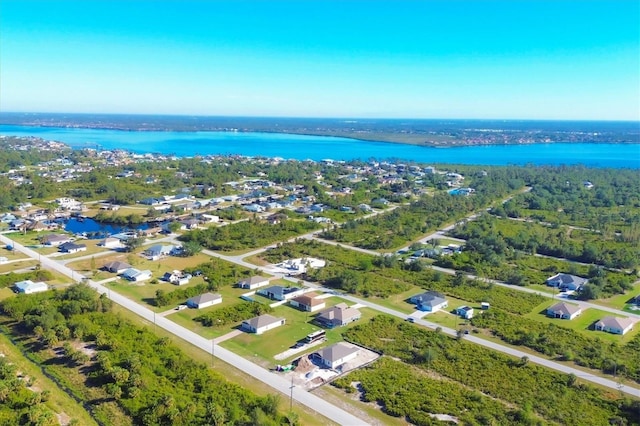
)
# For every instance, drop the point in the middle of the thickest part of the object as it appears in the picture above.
(116, 267)
(429, 301)
(71, 247)
(336, 355)
(111, 243)
(55, 240)
(564, 310)
(157, 251)
(253, 282)
(133, 274)
(204, 300)
(259, 325)
(278, 292)
(29, 287)
(177, 277)
(566, 281)
(338, 315)
(465, 312)
(308, 302)
(615, 325)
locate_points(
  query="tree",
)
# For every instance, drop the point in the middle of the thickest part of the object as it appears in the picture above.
(174, 227)
(132, 244)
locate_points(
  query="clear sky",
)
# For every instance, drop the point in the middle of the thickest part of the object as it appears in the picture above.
(512, 59)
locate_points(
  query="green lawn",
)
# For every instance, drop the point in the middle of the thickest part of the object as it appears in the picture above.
(621, 301)
(582, 323)
(262, 348)
(14, 266)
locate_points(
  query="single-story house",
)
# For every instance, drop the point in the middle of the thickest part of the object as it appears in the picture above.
(615, 325)
(564, 310)
(28, 287)
(566, 282)
(133, 274)
(337, 316)
(204, 300)
(116, 267)
(465, 312)
(157, 251)
(253, 282)
(177, 277)
(336, 355)
(4, 259)
(111, 242)
(55, 240)
(429, 301)
(278, 292)
(262, 323)
(308, 302)
(71, 247)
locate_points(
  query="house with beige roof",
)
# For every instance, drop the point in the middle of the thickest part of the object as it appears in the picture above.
(309, 302)
(337, 316)
(564, 310)
(262, 323)
(615, 325)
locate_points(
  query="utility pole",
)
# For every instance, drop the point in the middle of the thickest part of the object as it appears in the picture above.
(291, 395)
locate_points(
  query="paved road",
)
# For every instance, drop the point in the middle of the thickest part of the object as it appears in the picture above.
(275, 381)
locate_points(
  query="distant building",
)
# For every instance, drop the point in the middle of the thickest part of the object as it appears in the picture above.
(465, 312)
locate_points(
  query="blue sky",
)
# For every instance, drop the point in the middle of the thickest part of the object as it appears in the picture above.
(512, 59)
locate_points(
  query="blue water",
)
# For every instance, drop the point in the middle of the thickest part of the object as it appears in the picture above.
(319, 147)
(96, 229)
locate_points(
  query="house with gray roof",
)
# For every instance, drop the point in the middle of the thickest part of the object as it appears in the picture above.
(615, 325)
(336, 355)
(204, 300)
(116, 267)
(253, 282)
(262, 323)
(337, 316)
(564, 310)
(278, 292)
(566, 282)
(429, 301)
(71, 247)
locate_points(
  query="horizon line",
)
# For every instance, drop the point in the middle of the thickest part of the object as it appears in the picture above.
(323, 118)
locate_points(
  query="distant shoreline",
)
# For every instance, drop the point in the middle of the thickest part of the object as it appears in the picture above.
(379, 137)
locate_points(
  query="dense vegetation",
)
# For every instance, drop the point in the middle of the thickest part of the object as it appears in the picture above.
(19, 404)
(147, 377)
(564, 343)
(247, 234)
(557, 241)
(560, 196)
(406, 223)
(233, 314)
(537, 391)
